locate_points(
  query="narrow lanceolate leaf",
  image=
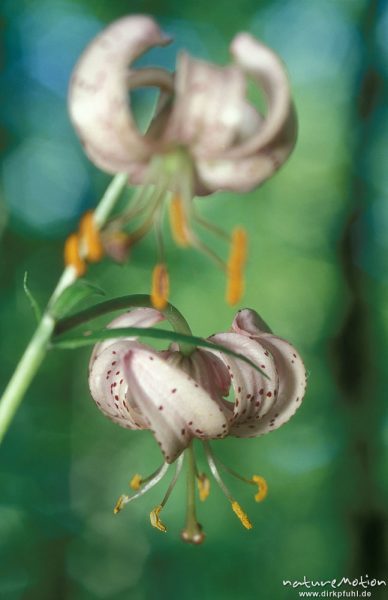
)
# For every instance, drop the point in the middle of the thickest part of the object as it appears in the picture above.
(33, 303)
(89, 338)
(73, 295)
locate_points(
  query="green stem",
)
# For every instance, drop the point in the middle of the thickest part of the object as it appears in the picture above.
(25, 371)
(38, 345)
(172, 314)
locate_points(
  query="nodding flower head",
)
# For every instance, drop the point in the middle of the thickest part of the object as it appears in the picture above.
(207, 395)
(205, 135)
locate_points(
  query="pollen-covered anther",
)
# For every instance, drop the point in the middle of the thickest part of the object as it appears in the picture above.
(236, 262)
(136, 482)
(178, 222)
(203, 483)
(263, 487)
(72, 255)
(90, 235)
(241, 515)
(155, 519)
(120, 504)
(160, 286)
(85, 245)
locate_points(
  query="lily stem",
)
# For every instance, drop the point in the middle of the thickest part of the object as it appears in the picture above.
(172, 314)
(39, 343)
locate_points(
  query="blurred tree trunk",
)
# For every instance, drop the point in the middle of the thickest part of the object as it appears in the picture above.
(354, 347)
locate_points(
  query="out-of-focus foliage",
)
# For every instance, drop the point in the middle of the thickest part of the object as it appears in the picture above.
(62, 464)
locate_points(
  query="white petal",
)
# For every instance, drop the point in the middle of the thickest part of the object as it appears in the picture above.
(254, 393)
(99, 98)
(109, 388)
(256, 157)
(248, 321)
(289, 366)
(238, 175)
(207, 107)
(292, 384)
(138, 317)
(175, 407)
(263, 65)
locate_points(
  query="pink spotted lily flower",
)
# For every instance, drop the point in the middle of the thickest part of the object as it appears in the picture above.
(206, 395)
(205, 135)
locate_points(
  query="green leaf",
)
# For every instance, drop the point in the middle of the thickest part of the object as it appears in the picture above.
(92, 337)
(73, 295)
(33, 303)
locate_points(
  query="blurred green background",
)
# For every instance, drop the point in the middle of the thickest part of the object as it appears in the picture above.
(317, 273)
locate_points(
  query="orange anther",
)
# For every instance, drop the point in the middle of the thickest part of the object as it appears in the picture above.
(262, 487)
(178, 221)
(160, 286)
(72, 255)
(91, 237)
(236, 264)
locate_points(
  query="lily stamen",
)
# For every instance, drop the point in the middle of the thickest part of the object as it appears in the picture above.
(154, 514)
(178, 222)
(236, 262)
(155, 519)
(239, 512)
(90, 236)
(136, 482)
(72, 255)
(203, 484)
(263, 487)
(146, 486)
(85, 245)
(254, 480)
(160, 286)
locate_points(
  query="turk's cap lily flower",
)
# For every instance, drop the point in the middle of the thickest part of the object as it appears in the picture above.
(179, 398)
(203, 108)
(205, 136)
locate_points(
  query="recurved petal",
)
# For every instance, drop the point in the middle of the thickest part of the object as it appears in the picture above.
(238, 175)
(139, 317)
(279, 126)
(255, 157)
(174, 406)
(289, 366)
(292, 386)
(249, 322)
(109, 388)
(99, 99)
(208, 106)
(254, 393)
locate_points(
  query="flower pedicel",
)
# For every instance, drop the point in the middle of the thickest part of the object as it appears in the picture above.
(182, 397)
(205, 136)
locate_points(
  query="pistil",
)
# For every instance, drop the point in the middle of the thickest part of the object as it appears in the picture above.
(192, 534)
